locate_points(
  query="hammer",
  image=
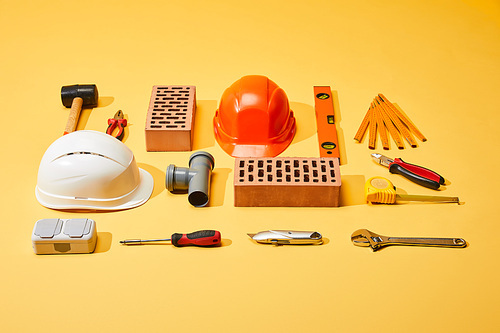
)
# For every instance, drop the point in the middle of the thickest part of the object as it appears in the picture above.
(75, 97)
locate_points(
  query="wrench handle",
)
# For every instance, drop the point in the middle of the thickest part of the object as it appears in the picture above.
(440, 242)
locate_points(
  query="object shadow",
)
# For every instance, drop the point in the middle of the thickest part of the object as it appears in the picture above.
(203, 124)
(305, 119)
(158, 177)
(103, 242)
(218, 186)
(352, 191)
(340, 131)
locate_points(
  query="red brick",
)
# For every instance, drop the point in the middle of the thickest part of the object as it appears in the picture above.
(286, 182)
(170, 118)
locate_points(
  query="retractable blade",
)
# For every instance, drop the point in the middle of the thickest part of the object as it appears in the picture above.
(287, 237)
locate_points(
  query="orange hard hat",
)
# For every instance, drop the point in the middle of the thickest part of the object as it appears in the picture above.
(254, 118)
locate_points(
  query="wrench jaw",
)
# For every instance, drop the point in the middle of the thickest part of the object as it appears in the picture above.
(366, 238)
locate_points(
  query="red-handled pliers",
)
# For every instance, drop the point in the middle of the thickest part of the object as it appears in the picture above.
(117, 120)
(412, 172)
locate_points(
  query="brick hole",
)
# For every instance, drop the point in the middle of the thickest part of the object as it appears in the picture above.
(278, 164)
(178, 88)
(157, 118)
(315, 173)
(287, 161)
(250, 178)
(260, 164)
(306, 168)
(331, 164)
(287, 168)
(332, 173)
(279, 173)
(295, 163)
(242, 173)
(314, 164)
(323, 168)
(250, 161)
(242, 164)
(288, 178)
(179, 122)
(269, 168)
(164, 122)
(279, 180)
(269, 161)
(155, 126)
(261, 180)
(250, 168)
(296, 173)
(323, 178)
(261, 173)
(171, 117)
(171, 126)
(315, 180)
(323, 161)
(306, 178)
(269, 178)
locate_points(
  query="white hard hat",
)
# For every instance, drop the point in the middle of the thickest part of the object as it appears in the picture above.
(91, 170)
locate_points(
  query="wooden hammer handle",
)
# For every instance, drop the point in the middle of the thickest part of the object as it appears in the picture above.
(74, 114)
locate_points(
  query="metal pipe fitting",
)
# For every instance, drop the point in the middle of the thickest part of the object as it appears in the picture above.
(195, 179)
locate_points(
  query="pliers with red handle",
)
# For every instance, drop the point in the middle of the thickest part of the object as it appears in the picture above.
(117, 120)
(412, 172)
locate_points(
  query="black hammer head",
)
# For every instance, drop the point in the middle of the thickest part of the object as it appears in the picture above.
(87, 92)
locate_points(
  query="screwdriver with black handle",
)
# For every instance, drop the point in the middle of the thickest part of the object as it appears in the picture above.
(202, 238)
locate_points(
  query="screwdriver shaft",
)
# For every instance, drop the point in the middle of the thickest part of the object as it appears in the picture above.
(141, 241)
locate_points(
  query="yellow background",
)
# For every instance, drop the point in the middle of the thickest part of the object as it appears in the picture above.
(437, 60)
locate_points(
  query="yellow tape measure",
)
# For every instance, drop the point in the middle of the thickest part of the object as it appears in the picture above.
(381, 190)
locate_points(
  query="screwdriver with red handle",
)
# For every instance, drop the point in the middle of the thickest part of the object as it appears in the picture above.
(203, 238)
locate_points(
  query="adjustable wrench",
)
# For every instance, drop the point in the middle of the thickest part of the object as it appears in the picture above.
(363, 237)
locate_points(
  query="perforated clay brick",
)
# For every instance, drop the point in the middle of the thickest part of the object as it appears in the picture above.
(170, 118)
(286, 182)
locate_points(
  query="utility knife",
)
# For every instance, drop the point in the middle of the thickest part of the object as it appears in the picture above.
(286, 237)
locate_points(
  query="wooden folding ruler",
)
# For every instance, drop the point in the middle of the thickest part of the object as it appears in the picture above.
(383, 115)
(325, 121)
